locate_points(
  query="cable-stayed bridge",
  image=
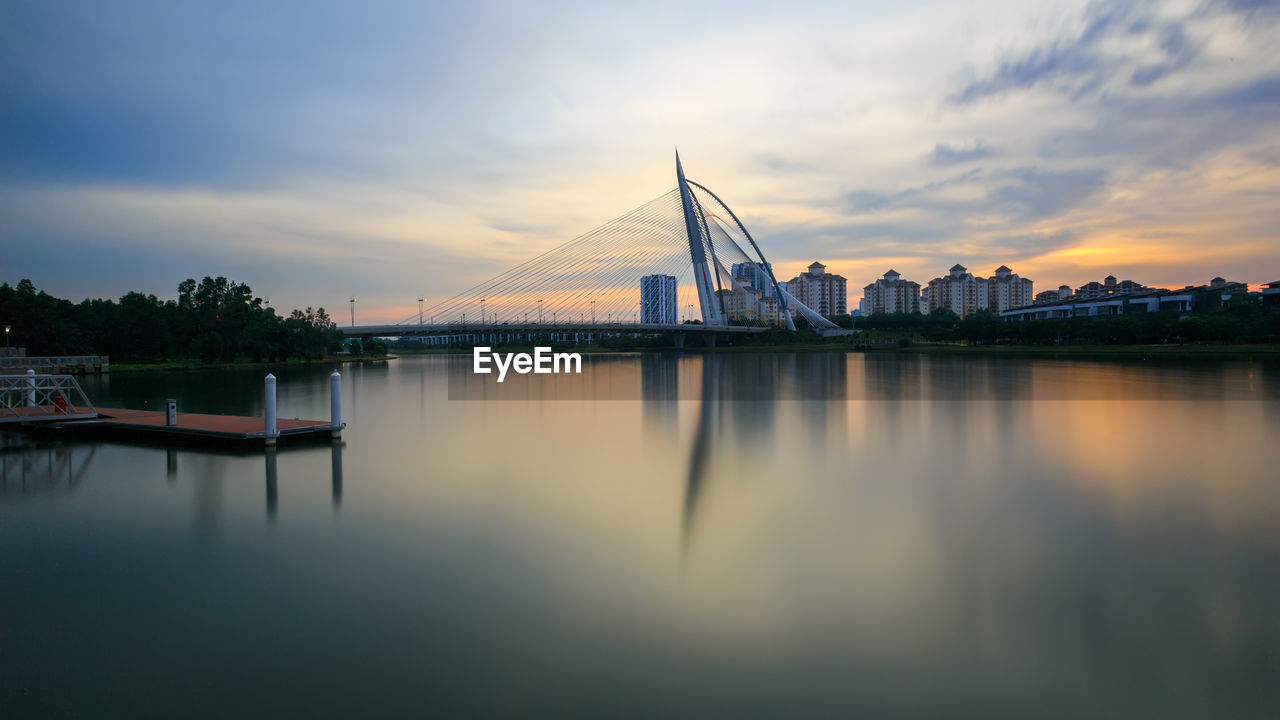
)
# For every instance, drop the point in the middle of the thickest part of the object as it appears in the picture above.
(681, 263)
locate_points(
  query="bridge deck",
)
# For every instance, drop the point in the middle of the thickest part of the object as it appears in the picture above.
(405, 330)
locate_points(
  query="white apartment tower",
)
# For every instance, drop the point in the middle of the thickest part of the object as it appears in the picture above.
(826, 293)
(960, 292)
(658, 299)
(1007, 290)
(891, 294)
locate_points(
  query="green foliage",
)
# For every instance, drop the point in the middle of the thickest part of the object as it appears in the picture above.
(215, 320)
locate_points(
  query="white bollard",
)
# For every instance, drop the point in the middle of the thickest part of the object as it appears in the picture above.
(269, 415)
(335, 403)
(31, 388)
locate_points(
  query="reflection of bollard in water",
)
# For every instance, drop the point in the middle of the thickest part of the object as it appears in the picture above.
(337, 474)
(171, 463)
(272, 493)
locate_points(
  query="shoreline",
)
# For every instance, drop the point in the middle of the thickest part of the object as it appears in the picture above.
(186, 365)
(1084, 352)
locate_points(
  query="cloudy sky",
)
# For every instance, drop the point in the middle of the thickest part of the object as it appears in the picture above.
(387, 150)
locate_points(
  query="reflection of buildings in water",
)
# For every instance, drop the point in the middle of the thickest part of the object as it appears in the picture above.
(898, 376)
(659, 397)
(934, 396)
(29, 470)
(821, 382)
(739, 399)
(747, 388)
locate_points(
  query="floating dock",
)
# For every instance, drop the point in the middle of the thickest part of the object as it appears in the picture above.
(56, 406)
(195, 427)
(191, 428)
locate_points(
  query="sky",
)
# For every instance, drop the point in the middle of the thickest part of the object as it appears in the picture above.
(390, 150)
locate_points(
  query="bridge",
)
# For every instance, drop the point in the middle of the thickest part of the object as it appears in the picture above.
(682, 264)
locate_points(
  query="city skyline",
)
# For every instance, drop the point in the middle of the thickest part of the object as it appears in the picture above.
(415, 151)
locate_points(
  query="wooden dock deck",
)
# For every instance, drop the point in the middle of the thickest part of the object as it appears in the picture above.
(55, 405)
(192, 428)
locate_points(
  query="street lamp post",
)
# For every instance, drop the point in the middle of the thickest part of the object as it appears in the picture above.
(539, 311)
(593, 312)
(6, 337)
(481, 311)
(419, 309)
(353, 311)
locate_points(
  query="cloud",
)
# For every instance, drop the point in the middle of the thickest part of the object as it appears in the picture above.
(1072, 63)
(927, 195)
(1141, 42)
(1028, 245)
(385, 151)
(944, 154)
(1033, 194)
(1179, 51)
(1177, 131)
(1023, 193)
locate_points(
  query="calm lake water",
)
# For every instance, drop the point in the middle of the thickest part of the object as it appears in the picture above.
(730, 535)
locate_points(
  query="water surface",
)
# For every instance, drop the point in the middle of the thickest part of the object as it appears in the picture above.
(727, 535)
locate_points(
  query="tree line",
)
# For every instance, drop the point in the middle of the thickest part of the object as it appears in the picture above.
(214, 320)
(1243, 320)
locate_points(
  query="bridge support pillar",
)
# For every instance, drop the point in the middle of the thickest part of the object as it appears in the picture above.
(679, 340)
(710, 339)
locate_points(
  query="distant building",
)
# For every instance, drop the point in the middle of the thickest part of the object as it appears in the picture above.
(960, 292)
(753, 274)
(1062, 293)
(891, 294)
(658, 299)
(751, 306)
(824, 293)
(1187, 301)
(1108, 286)
(1007, 290)
(1271, 294)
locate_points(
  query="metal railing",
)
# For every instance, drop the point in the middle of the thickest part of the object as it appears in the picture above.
(34, 397)
(54, 361)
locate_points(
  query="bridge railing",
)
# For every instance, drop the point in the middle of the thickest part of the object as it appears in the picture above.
(43, 397)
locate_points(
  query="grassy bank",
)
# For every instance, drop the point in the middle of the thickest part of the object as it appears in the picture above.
(183, 365)
(1269, 350)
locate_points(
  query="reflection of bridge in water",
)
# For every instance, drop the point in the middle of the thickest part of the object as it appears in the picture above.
(680, 265)
(739, 398)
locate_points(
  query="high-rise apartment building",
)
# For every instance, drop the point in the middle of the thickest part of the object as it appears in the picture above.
(960, 292)
(1007, 290)
(891, 294)
(658, 299)
(825, 293)
(754, 274)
